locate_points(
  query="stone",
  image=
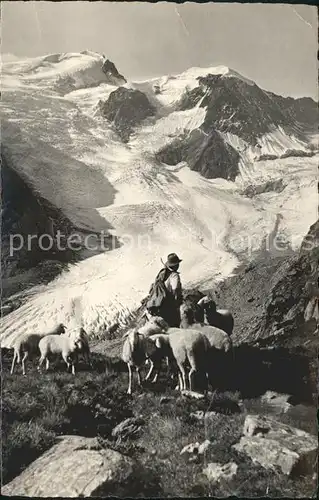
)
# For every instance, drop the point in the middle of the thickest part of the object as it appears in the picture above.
(196, 448)
(204, 446)
(277, 400)
(165, 399)
(274, 445)
(128, 428)
(193, 394)
(203, 415)
(191, 449)
(76, 467)
(215, 471)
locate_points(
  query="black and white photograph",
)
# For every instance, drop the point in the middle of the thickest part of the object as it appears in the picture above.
(159, 249)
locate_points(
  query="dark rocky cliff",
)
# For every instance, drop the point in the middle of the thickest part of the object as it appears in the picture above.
(25, 213)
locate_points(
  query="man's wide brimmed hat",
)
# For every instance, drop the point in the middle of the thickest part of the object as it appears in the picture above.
(172, 260)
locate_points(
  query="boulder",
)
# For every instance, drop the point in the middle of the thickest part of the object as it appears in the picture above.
(275, 445)
(215, 471)
(75, 467)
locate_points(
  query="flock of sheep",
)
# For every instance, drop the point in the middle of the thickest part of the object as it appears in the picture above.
(60, 341)
(192, 344)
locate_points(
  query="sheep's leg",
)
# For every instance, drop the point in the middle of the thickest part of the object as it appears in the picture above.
(190, 379)
(139, 381)
(15, 355)
(73, 369)
(150, 370)
(167, 364)
(207, 382)
(129, 390)
(192, 371)
(65, 358)
(155, 377)
(180, 382)
(26, 354)
(47, 364)
(182, 376)
(43, 357)
(87, 358)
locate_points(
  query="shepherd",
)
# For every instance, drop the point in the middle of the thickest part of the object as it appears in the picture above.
(165, 295)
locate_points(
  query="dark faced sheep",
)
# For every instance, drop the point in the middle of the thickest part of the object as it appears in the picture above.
(220, 318)
(80, 334)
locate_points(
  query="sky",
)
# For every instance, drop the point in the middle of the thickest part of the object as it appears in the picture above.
(274, 45)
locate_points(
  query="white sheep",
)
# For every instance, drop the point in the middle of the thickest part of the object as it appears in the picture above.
(29, 344)
(184, 345)
(154, 325)
(221, 318)
(59, 344)
(136, 349)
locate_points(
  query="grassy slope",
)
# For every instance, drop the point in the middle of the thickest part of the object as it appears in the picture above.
(38, 408)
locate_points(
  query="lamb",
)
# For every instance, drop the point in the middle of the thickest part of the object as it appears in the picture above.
(221, 318)
(64, 345)
(184, 345)
(29, 344)
(136, 349)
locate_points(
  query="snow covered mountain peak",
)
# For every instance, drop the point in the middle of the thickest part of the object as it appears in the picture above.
(63, 72)
(196, 72)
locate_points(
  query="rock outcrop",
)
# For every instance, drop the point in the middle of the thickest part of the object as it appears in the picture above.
(204, 152)
(126, 108)
(113, 76)
(275, 445)
(76, 467)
